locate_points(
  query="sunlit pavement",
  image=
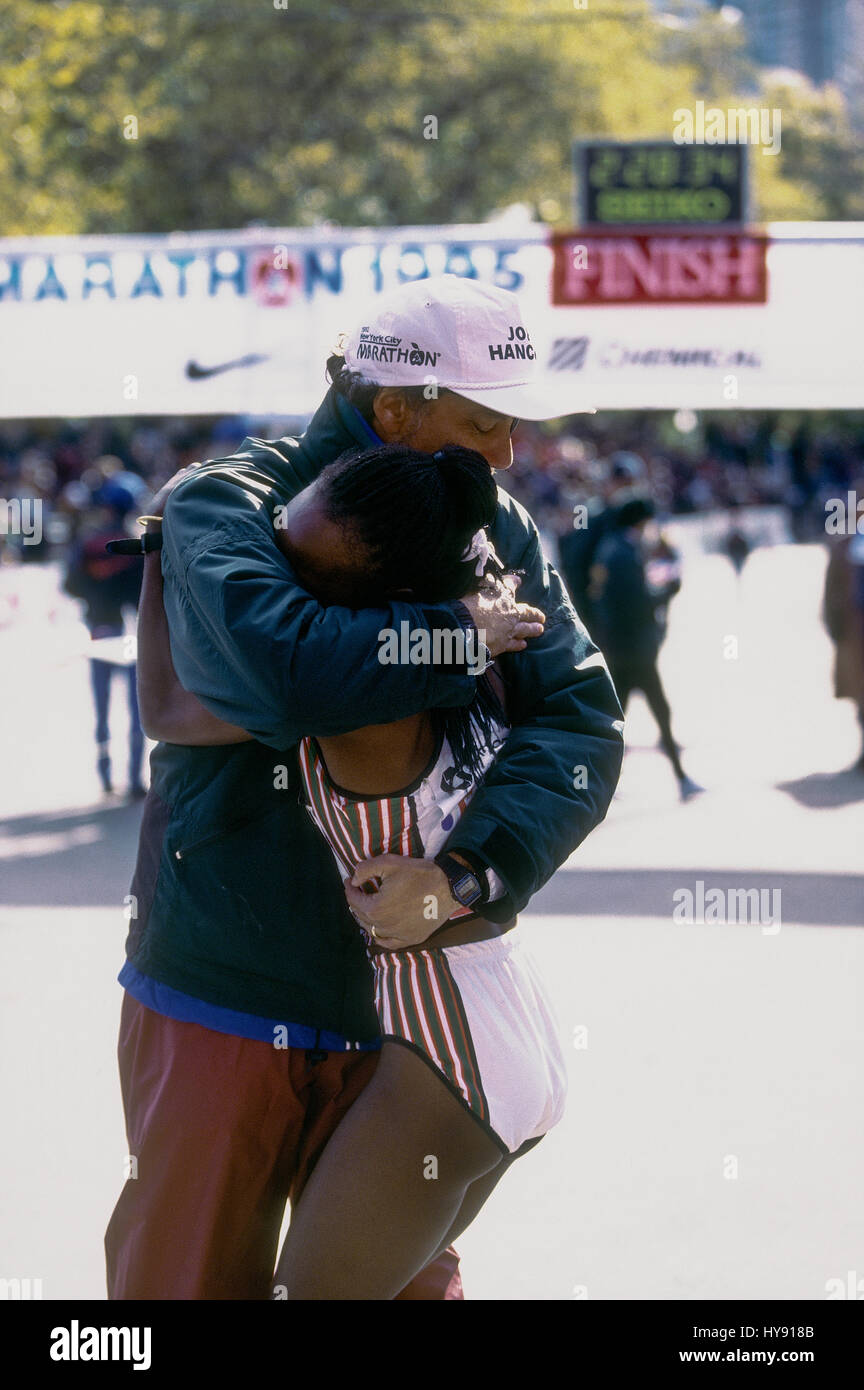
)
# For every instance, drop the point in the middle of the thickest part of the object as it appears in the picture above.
(713, 1143)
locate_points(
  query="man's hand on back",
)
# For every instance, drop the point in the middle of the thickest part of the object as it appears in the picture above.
(157, 506)
(507, 625)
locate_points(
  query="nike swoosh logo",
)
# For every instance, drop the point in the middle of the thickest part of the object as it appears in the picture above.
(196, 373)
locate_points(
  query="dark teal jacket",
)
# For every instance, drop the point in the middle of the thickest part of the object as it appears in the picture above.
(238, 899)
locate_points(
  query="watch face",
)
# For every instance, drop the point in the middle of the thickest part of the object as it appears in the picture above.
(466, 889)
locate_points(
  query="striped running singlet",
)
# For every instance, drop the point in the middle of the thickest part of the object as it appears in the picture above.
(416, 821)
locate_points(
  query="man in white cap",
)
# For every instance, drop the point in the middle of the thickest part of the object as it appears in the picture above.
(242, 938)
(468, 339)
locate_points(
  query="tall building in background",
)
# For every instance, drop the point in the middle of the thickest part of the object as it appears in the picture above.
(807, 35)
(822, 38)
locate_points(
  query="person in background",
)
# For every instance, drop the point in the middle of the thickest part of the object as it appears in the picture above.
(735, 542)
(626, 622)
(109, 585)
(578, 547)
(663, 577)
(843, 615)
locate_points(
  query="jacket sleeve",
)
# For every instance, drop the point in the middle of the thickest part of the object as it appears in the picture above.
(554, 777)
(259, 651)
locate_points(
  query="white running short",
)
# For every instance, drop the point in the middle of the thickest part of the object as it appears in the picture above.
(480, 1015)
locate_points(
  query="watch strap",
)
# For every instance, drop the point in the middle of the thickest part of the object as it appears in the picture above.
(137, 545)
(455, 870)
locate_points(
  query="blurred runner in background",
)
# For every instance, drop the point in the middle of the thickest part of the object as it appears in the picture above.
(629, 593)
(736, 543)
(579, 547)
(108, 586)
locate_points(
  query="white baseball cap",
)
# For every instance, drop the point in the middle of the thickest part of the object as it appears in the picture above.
(463, 335)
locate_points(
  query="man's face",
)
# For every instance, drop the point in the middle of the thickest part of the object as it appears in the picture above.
(451, 419)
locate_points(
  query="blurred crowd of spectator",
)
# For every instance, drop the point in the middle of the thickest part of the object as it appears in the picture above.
(65, 465)
(592, 483)
(687, 463)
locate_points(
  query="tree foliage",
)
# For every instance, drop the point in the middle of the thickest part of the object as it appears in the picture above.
(159, 116)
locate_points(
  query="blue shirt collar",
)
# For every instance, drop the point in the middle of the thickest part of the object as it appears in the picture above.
(365, 426)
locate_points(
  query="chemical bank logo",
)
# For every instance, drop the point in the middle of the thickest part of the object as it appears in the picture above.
(568, 354)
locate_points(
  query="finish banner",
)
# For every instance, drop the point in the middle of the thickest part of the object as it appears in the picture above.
(659, 268)
(219, 323)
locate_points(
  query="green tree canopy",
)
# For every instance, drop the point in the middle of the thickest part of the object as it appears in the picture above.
(160, 116)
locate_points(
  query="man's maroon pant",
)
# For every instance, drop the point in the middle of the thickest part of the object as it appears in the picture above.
(223, 1131)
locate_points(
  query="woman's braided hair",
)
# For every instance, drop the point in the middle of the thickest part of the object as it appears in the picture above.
(414, 514)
